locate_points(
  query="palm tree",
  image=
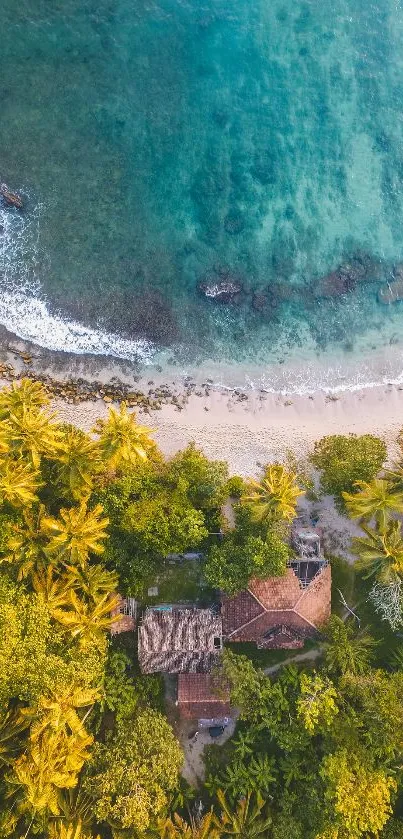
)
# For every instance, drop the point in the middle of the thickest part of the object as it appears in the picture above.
(62, 829)
(23, 394)
(5, 438)
(58, 711)
(380, 552)
(85, 621)
(76, 533)
(275, 497)
(27, 543)
(54, 591)
(32, 434)
(347, 651)
(377, 499)
(178, 828)
(12, 724)
(50, 763)
(19, 483)
(244, 743)
(92, 581)
(77, 460)
(396, 659)
(122, 441)
(76, 816)
(248, 821)
(261, 773)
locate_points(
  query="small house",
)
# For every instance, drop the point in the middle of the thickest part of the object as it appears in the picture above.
(281, 612)
(125, 614)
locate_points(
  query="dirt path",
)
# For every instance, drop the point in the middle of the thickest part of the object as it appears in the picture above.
(310, 655)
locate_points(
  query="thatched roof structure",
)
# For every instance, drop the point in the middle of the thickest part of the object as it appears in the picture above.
(177, 639)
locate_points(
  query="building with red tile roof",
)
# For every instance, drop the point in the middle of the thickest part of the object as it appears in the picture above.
(281, 611)
(203, 696)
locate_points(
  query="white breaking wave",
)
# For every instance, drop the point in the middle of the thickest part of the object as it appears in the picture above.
(26, 314)
(30, 319)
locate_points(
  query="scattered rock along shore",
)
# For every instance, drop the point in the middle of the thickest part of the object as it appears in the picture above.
(77, 389)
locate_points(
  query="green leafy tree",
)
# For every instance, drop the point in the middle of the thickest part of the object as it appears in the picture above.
(275, 497)
(377, 499)
(380, 552)
(376, 700)
(347, 651)
(164, 524)
(344, 460)
(231, 565)
(133, 774)
(36, 655)
(203, 480)
(317, 705)
(358, 796)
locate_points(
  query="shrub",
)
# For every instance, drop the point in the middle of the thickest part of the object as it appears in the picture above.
(342, 460)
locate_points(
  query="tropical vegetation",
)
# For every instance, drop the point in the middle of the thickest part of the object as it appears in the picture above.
(88, 746)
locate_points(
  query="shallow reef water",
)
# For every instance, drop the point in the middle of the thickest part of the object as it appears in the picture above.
(168, 146)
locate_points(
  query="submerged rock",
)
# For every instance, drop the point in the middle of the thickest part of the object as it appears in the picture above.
(335, 284)
(11, 198)
(260, 300)
(360, 268)
(222, 291)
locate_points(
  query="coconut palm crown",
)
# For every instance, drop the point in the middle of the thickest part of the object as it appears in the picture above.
(77, 533)
(275, 496)
(377, 499)
(123, 442)
(380, 552)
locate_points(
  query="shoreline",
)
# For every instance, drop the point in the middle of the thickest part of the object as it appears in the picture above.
(247, 429)
(249, 433)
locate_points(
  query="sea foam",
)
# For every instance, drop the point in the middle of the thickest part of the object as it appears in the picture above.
(24, 311)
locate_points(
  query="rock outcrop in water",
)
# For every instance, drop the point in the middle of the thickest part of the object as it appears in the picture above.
(221, 286)
(361, 268)
(11, 198)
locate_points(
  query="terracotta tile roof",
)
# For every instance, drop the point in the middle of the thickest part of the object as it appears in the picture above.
(282, 600)
(239, 610)
(202, 695)
(267, 620)
(277, 592)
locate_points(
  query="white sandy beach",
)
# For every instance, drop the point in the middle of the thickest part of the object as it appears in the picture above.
(264, 427)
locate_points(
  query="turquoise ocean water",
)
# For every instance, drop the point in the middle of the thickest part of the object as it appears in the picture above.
(161, 144)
